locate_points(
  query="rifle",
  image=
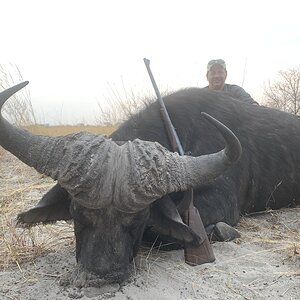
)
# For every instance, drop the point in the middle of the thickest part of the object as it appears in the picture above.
(203, 253)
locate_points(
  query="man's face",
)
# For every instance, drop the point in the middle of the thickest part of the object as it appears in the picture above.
(216, 77)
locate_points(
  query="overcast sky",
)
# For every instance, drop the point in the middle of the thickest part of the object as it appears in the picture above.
(74, 53)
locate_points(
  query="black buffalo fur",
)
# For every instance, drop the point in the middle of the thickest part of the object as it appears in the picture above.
(266, 176)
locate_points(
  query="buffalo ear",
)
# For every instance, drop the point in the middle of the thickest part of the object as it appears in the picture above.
(54, 206)
(166, 222)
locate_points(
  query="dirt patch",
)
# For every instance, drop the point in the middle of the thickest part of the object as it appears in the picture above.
(263, 264)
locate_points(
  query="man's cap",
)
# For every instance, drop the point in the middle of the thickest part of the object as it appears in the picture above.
(213, 62)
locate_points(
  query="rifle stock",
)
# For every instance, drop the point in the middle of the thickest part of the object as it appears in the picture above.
(203, 253)
(199, 254)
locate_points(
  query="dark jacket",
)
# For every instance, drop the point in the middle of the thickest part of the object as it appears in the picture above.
(238, 93)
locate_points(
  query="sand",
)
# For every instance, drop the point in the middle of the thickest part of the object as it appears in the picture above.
(263, 264)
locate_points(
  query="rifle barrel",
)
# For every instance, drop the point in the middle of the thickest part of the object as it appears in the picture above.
(163, 108)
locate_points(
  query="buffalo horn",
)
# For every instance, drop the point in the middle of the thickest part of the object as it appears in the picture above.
(98, 172)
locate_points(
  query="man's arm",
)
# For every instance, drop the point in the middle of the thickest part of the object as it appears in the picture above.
(239, 93)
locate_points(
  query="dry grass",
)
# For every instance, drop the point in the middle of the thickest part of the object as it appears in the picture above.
(21, 188)
(20, 245)
(17, 244)
(274, 231)
(67, 129)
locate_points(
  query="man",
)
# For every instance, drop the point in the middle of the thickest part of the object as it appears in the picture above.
(216, 76)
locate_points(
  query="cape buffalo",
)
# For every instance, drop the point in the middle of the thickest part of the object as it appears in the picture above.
(114, 187)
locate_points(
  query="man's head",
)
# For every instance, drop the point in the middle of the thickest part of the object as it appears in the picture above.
(216, 74)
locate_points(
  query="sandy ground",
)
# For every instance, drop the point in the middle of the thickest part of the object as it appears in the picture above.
(263, 264)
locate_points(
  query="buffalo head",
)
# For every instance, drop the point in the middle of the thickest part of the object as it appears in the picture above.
(107, 188)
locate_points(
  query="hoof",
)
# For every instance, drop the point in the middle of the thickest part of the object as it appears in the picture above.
(224, 232)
